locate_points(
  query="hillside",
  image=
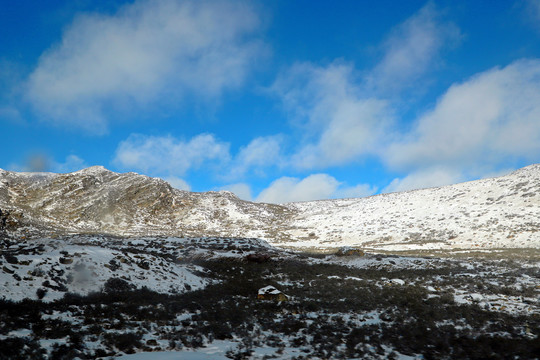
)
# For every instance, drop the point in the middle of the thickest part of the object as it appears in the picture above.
(99, 201)
(500, 212)
(491, 213)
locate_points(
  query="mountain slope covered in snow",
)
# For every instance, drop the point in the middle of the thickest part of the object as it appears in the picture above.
(502, 212)
(492, 213)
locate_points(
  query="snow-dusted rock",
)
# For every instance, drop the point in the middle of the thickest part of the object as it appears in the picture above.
(271, 293)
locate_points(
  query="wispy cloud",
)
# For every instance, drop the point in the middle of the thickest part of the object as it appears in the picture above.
(167, 156)
(412, 49)
(242, 190)
(258, 155)
(424, 178)
(532, 11)
(70, 164)
(178, 183)
(343, 113)
(344, 116)
(339, 122)
(475, 128)
(170, 157)
(150, 52)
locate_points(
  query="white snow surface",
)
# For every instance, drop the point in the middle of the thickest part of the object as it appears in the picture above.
(86, 268)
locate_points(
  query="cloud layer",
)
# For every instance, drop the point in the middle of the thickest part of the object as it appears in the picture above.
(148, 51)
(476, 127)
(488, 120)
(168, 156)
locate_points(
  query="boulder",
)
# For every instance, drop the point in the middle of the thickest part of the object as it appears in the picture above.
(349, 251)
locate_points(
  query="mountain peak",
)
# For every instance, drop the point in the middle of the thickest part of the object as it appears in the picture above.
(93, 170)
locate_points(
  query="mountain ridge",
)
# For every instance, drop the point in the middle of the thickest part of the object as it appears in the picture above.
(490, 213)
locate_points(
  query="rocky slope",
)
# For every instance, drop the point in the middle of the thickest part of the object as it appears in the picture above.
(96, 200)
(491, 213)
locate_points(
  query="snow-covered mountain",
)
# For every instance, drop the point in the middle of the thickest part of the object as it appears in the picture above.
(501, 212)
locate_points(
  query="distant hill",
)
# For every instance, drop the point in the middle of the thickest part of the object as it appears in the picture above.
(501, 212)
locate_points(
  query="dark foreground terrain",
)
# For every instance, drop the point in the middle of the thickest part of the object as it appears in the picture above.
(340, 306)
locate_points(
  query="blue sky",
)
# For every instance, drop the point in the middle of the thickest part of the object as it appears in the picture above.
(275, 100)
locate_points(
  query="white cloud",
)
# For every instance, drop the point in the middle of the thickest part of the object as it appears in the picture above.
(71, 164)
(166, 155)
(488, 120)
(313, 187)
(242, 190)
(424, 178)
(412, 48)
(178, 183)
(150, 52)
(172, 157)
(289, 189)
(260, 153)
(340, 124)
